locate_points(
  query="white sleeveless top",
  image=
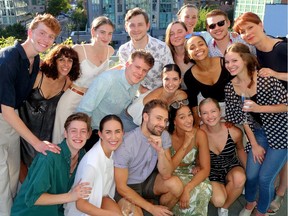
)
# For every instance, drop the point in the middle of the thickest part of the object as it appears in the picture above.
(89, 70)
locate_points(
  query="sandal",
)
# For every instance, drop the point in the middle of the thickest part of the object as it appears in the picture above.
(247, 212)
(275, 205)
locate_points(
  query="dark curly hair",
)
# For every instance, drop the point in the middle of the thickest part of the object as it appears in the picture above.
(49, 65)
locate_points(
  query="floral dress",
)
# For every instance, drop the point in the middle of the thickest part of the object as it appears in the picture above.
(200, 195)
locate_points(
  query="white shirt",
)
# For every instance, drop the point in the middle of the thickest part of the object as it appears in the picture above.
(98, 170)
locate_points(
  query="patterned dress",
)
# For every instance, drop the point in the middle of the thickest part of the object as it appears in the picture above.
(200, 195)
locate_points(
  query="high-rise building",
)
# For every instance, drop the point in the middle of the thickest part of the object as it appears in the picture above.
(12, 11)
(255, 6)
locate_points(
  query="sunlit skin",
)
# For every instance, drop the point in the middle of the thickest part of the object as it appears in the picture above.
(210, 114)
(189, 16)
(137, 28)
(136, 70)
(171, 81)
(219, 32)
(64, 65)
(184, 119)
(42, 37)
(156, 121)
(103, 34)
(76, 136)
(111, 136)
(177, 35)
(234, 63)
(252, 33)
(197, 48)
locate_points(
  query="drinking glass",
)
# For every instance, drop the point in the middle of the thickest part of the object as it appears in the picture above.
(128, 208)
(245, 97)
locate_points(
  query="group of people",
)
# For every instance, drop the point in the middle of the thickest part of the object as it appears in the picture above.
(186, 107)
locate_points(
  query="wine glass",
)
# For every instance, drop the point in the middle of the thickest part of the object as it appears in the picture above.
(245, 104)
(128, 208)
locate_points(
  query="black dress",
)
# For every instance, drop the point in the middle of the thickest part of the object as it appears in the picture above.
(38, 113)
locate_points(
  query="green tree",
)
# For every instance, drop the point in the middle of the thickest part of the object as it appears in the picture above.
(54, 7)
(16, 30)
(201, 24)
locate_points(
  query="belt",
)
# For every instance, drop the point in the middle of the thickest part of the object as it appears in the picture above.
(76, 91)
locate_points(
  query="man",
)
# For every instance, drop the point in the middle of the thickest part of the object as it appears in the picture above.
(112, 91)
(47, 185)
(19, 65)
(136, 175)
(137, 24)
(217, 24)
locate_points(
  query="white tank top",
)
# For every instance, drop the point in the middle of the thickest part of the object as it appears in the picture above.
(89, 70)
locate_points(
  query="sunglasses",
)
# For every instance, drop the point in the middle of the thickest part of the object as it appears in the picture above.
(213, 25)
(179, 103)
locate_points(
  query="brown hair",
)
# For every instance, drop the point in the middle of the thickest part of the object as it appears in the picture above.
(167, 40)
(140, 53)
(247, 57)
(78, 116)
(216, 12)
(186, 6)
(49, 20)
(101, 20)
(136, 11)
(109, 118)
(153, 104)
(245, 17)
(49, 65)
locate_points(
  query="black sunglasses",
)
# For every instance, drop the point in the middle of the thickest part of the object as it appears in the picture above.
(179, 103)
(213, 25)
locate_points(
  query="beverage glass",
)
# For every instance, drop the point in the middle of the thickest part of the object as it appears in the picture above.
(128, 208)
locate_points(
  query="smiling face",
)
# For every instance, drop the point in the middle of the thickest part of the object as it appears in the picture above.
(197, 48)
(252, 33)
(171, 81)
(137, 27)
(219, 32)
(177, 35)
(189, 16)
(156, 121)
(111, 136)
(42, 37)
(234, 63)
(184, 119)
(136, 70)
(64, 65)
(210, 113)
(103, 34)
(76, 135)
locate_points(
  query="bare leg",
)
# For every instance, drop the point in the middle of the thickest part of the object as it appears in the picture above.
(109, 204)
(236, 179)
(170, 190)
(219, 194)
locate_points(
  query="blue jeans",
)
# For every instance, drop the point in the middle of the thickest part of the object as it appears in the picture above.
(263, 175)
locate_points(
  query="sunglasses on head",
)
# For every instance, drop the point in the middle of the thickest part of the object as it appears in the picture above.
(179, 103)
(213, 25)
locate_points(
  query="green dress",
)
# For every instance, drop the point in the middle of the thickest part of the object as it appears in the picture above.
(200, 195)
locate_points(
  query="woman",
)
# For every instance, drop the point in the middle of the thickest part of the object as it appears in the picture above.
(94, 59)
(272, 57)
(227, 176)
(271, 52)
(170, 92)
(266, 127)
(189, 143)
(188, 14)
(175, 39)
(97, 168)
(50, 177)
(208, 76)
(59, 68)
